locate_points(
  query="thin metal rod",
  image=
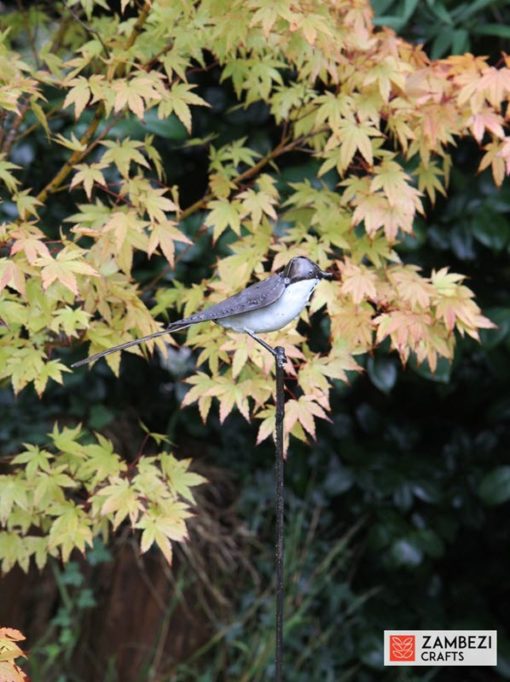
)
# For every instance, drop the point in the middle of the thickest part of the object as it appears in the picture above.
(279, 476)
(265, 345)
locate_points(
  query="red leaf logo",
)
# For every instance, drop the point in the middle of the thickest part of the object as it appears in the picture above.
(402, 647)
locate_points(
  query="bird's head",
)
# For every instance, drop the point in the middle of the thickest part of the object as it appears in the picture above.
(301, 267)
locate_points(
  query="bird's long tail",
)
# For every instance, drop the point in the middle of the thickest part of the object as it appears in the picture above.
(129, 344)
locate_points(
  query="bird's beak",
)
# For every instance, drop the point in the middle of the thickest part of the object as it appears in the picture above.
(326, 275)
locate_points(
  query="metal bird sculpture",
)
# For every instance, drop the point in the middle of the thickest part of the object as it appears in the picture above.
(262, 307)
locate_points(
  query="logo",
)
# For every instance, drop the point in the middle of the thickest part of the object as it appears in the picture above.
(440, 647)
(402, 647)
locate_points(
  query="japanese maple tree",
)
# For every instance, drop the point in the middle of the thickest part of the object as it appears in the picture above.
(376, 113)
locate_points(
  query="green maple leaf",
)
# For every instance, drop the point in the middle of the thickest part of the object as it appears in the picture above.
(121, 501)
(223, 214)
(179, 477)
(70, 530)
(123, 153)
(13, 492)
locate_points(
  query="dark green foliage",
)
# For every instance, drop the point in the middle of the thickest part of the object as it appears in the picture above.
(448, 26)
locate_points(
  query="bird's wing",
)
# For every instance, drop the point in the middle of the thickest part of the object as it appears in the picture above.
(258, 295)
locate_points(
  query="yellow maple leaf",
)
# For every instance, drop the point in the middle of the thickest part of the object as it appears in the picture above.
(63, 269)
(358, 282)
(165, 234)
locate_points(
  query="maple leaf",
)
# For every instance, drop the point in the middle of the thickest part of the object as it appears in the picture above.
(358, 282)
(232, 155)
(64, 267)
(223, 214)
(386, 73)
(163, 526)
(36, 460)
(175, 61)
(486, 120)
(70, 530)
(256, 204)
(314, 374)
(376, 211)
(122, 501)
(9, 652)
(179, 477)
(267, 426)
(79, 95)
(70, 320)
(156, 204)
(125, 225)
(494, 85)
(28, 239)
(149, 483)
(391, 179)
(10, 672)
(13, 493)
(164, 234)
(12, 635)
(122, 154)
(88, 175)
(100, 462)
(504, 154)
(137, 93)
(220, 185)
(74, 144)
(446, 282)
(26, 203)
(350, 138)
(257, 78)
(303, 410)
(231, 393)
(178, 101)
(11, 275)
(410, 287)
(5, 176)
(429, 180)
(201, 392)
(406, 329)
(50, 370)
(493, 158)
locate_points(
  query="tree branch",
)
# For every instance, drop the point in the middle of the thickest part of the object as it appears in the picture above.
(11, 135)
(77, 156)
(284, 146)
(280, 149)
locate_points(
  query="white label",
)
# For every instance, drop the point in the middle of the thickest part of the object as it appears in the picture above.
(440, 647)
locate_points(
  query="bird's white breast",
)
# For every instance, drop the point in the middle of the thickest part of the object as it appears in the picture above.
(277, 314)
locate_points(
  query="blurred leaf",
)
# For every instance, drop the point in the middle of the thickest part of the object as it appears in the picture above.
(382, 372)
(495, 486)
(169, 128)
(440, 375)
(491, 229)
(468, 9)
(406, 552)
(497, 30)
(437, 8)
(494, 337)
(441, 43)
